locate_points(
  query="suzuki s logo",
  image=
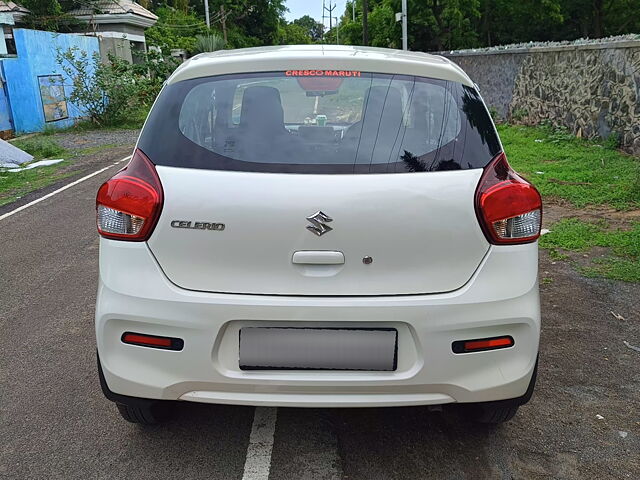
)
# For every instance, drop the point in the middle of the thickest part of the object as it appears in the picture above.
(319, 222)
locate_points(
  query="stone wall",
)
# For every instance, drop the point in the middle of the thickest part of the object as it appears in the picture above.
(592, 88)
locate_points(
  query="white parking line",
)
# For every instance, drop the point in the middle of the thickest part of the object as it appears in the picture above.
(258, 461)
(49, 195)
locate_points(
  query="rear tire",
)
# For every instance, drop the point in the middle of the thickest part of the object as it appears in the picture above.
(150, 414)
(500, 411)
(492, 413)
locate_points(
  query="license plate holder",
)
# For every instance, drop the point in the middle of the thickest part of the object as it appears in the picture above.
(321, 348)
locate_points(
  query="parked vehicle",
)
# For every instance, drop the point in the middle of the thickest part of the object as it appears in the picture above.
(318, 226)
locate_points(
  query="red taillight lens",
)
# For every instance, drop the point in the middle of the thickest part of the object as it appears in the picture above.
(508, 207)
(129, 204)
(153, 341)
(482, 344)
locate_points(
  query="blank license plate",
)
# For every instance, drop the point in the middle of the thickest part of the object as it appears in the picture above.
(318, 349)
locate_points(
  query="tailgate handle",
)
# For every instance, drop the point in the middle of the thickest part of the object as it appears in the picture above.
(318, 257)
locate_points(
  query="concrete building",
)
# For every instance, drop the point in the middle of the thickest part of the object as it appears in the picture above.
(120, 20)
(10, 14)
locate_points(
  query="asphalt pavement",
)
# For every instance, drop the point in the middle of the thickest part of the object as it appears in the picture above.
(583, 421)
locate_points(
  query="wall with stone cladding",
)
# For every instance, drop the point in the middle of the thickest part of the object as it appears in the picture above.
(591, 88)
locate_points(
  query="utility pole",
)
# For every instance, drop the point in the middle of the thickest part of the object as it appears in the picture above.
(223, 18)
(353, 9)
(323, 9)
(405, 40)
(330, 10)
(365, 26)
(402, 17)
(206, 13)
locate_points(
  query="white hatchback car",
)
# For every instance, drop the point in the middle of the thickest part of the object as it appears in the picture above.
(318, 226)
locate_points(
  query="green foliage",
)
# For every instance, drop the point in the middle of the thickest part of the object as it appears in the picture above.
(312, 28)
(613, 140)
(583, 172)
(574, 235)
(384, 31)
(208, 43)
(40, 147)
(452, 24)
(293, 34)
(50, 15)
(116, 92)
(175, 29)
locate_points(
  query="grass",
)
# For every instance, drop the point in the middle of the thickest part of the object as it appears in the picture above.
(14, 185)
(582, 172)
(573, 235)
(40, 147)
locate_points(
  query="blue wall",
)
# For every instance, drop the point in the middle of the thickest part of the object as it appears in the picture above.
(37, 56)
(5, 114)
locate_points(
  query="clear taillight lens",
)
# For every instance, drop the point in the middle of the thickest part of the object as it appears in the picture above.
(128, 205)
(113, 221)
(509, 208)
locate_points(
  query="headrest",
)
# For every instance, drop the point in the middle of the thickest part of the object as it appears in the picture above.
(261, 109)
(382, 101)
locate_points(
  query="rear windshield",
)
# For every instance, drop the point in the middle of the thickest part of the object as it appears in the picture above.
(316, 121)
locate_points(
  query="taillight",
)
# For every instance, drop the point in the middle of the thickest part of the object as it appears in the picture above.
(508, 207)
(128, 205)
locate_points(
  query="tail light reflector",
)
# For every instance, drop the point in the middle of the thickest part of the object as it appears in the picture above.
(153, 341)
(128, 205)
(508, 207)
(467, 346)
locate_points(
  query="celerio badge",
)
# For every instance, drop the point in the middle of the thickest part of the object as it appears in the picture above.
(319, 222)
(197, 225)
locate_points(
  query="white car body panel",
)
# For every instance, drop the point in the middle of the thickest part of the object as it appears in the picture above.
(320, 57)
(135, 295)
(265, 269)
(409, 224)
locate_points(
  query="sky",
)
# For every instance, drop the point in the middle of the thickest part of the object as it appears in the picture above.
(313, 8)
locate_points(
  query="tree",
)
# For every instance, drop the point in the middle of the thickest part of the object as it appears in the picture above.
(293, 34)
(505, 21)
(45, 14)
(175, 30)
(312, 28)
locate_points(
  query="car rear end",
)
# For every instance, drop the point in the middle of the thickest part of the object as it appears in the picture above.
(325, 231)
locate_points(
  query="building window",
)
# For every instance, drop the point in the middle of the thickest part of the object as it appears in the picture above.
(9, 40)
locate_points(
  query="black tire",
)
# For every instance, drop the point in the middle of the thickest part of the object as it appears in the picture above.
(492, 413)
(150, 414)
(502, 410)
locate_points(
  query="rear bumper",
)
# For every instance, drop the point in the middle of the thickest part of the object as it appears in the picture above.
(134, 295)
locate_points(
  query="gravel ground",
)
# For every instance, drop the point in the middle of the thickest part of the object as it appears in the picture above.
(95, 138)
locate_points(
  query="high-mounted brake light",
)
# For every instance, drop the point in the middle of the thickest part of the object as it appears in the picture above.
(128, 205)
(508, 207)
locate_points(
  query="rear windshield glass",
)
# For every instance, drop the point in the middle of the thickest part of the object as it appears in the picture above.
(316, 121)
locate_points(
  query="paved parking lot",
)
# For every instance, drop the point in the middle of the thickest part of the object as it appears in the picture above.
(583, 421)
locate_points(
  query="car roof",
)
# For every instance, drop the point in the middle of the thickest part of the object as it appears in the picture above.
(319, 57)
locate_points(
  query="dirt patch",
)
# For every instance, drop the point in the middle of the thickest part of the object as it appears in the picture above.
(587, 372)
(555, 210)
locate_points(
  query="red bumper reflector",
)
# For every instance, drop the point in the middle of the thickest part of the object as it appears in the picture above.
(479, 345)
(152, 341)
